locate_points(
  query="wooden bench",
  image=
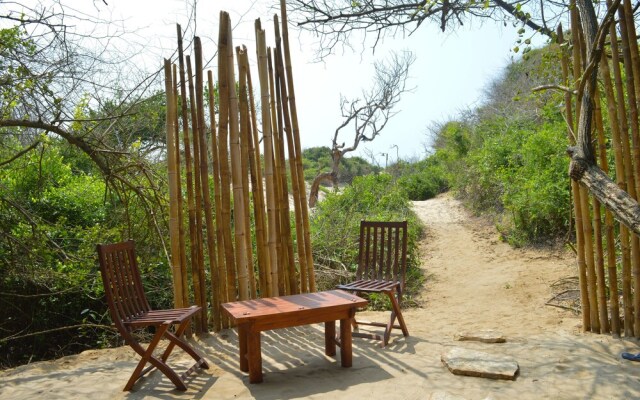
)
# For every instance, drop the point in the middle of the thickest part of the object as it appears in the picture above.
(255, 316)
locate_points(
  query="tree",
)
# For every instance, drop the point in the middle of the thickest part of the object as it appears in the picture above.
(61, 76)
(367, 115)
(336, 21)
(80, 141)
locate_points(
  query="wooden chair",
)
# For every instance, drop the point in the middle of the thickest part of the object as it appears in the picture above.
(130, 310)
(382, 262)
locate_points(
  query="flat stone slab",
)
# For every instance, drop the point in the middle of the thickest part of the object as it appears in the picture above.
(477, 363)
(486, 336)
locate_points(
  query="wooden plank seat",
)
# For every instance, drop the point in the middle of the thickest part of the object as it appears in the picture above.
(382, 262)
(130, 310)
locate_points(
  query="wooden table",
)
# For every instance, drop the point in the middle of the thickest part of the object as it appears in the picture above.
(255, 316)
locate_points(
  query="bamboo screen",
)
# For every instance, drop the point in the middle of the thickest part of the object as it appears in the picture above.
(230, 230)
(608, 254)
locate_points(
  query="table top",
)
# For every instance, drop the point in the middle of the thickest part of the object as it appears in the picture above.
(259, 308)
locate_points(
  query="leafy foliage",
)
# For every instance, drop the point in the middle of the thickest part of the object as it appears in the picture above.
(507, 158)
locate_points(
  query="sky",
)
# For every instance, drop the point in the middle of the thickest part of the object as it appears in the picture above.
(450, 73)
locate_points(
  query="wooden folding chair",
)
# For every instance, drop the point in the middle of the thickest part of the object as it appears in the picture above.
(130, 310)
(382, 262)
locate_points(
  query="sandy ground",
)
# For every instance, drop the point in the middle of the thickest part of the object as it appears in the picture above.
(475, 282)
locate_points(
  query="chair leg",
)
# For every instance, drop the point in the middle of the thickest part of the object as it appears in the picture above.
(177, 340)
(403, 326)
(147, 356)
(395, 313)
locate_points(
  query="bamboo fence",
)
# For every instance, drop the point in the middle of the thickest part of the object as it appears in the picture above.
(245, 228)
(234, 170)
(608, 254)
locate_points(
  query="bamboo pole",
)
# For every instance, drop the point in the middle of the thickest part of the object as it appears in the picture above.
(575, 190)
(220, 249)
(223, 155)
(601, 153)
(295, 187)
(198, 271)
(176, 268)
(257, 187)
(206, 192)
(298, 151)
(267, 111)
(631, 95)
(628, 255)
(193, 237)
(183, 252)
(236, 175)
(244, 135)
(620, 172)
(633, 47)
(287, 273)
(635, 140)
(284, 245)
(264, 261)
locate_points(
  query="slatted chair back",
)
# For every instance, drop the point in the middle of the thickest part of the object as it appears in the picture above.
(383, 251)
(382, 264)
(130, 310)
(123, 286)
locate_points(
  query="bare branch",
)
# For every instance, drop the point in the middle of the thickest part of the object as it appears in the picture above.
(336, 21)
(556, 87)
(368, 115)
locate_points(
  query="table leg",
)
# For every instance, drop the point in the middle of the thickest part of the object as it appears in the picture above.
(330, 338)
(254, 356)
(242, 343)
(345, 342)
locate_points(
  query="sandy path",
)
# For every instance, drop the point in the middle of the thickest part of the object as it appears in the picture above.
(483, 283)
(475, 282)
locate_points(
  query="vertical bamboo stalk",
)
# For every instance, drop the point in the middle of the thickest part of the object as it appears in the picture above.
(629, 256)
(176, 268)
(206, 192)
(257, 187)
(244, 136)
(284, 246)
(266, 108)
(631, 95)
(264, 261)
(215, 162)
(223, 155)
(635, 140)
(295, 182)
(197, 272)
(575, 189)
(183, 252)
(287, 272)
(193, 237)
(589, 256)
(236, 175)
(601, 153)
(619, 166)
(633, 47)
(298, 150)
